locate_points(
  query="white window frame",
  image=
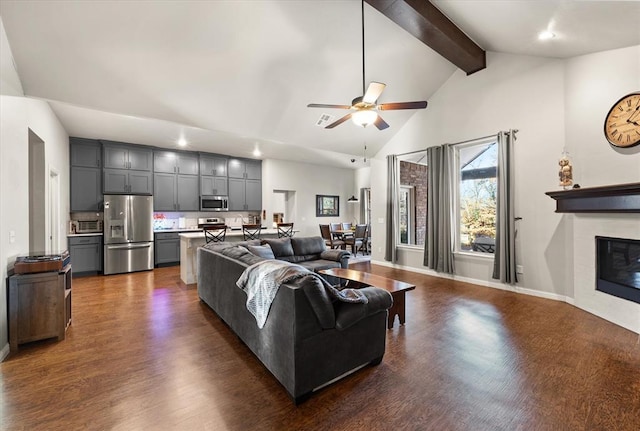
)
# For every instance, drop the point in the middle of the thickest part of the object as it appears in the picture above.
(411, 192)
(456, 195)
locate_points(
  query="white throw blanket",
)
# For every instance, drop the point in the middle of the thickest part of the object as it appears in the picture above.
(262, 280)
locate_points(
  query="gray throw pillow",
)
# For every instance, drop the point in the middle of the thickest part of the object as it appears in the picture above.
(262, 251)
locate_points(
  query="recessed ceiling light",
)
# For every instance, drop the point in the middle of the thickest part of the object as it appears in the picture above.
(182, 142)
(257, 153)
(546, 35)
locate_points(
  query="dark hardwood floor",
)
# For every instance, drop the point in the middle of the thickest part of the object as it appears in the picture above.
(143, 353)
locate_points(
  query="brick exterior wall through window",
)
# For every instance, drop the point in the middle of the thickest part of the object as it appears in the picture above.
(412, 174)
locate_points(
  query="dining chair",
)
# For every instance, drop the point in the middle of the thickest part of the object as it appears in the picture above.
(357, 241)
(216, 232)
(251, 231)
(285, 230)
(334, 227)
(325, 233)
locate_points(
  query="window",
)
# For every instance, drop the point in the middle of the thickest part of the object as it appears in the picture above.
(476, 169)
(406, 213)
(412, 199)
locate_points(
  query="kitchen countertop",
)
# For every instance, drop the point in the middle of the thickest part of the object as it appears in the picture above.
(72, 235)
(185, 229)
(232, 233)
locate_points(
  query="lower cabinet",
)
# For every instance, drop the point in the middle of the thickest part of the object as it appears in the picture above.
(167, 249)
(86, 254)
(39, 306)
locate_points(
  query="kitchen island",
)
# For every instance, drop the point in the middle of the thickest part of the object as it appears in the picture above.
(190, 241)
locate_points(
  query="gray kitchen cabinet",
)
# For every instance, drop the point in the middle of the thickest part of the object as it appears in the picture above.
(245, 168)
(245, 195)
(175, 162)
(85, 156)
(86, 189)
(213, 186)
(85, 152)
(245, 185)
(215, 166)
(119, 156)
(253, 195)
(86, 254)
(167, 248)
(127, 181)
(164, 192)
(174, 192)
(188, 198)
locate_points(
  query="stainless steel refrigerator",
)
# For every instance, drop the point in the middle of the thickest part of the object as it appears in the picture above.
(128, 233)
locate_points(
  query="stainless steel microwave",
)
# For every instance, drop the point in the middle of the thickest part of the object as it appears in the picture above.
(214, 203)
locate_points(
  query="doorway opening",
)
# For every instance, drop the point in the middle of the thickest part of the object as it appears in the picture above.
(283, 206)
(37, 195)
(54, 211)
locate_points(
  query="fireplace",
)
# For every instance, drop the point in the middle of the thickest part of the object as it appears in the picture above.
(618, 267)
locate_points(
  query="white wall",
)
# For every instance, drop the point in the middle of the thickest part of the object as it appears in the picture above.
(554, 104)
(19, 114)
(307, 180)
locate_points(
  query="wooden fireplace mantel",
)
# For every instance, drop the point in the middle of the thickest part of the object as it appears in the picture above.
(619, 198)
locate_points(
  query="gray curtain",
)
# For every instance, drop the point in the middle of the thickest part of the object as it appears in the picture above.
(438, 250)
(504, 264)
(393, 181)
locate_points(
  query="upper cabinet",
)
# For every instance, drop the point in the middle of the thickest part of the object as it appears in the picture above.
(215, 166)
(86, 176)
(170, 162)
(85, 152)
(245, 168)
(120, 156)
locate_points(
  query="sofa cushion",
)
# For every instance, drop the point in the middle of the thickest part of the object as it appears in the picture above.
(241, 254)
(308, 246)
(347, 314)
(281, 247)
(262, 251)
(318, 264)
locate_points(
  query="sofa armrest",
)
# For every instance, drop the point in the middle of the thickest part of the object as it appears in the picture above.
(335, 255)
(348, 314)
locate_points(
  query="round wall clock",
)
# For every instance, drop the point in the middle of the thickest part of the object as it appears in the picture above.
(622, 124)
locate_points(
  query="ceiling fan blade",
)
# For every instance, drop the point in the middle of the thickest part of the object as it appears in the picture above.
(403, 105)
(322, 105)
(380, 123)
(338, 122)
(373, 92)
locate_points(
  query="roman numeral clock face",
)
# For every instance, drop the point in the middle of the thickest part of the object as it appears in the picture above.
(622, 125)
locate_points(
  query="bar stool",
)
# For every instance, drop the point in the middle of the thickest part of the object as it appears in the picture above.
(285, 230)
(251, 231)
(215, 232)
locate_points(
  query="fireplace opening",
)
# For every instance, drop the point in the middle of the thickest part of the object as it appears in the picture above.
(618, 267)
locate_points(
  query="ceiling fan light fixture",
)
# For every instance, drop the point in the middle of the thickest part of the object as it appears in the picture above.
(364, 117)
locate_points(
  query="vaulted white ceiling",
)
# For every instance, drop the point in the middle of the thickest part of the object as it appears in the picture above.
(232, 76)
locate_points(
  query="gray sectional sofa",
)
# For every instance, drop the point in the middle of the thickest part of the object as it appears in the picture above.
(309, 339)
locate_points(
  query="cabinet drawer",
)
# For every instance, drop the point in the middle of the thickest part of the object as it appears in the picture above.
(85, 240)
(167, 235)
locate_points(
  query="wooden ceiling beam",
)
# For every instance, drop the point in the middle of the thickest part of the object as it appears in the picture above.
(424, 21)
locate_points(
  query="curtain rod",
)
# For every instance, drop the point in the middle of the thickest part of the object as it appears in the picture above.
(457, 143)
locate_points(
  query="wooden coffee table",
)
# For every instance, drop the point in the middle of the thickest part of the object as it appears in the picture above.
(358, 279)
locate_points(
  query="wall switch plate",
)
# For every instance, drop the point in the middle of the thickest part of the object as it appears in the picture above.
(381, 220)
(12, 236)
(519, 269)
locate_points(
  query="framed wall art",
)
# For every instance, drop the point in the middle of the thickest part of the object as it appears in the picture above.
(327, 206)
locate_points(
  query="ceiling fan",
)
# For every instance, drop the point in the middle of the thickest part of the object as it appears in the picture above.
(365, 108)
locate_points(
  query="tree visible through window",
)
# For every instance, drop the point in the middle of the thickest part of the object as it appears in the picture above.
(477, 192)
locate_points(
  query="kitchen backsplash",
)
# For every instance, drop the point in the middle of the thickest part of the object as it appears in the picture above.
(176, 220)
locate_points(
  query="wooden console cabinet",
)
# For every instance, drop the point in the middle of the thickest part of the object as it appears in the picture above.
(39, 306)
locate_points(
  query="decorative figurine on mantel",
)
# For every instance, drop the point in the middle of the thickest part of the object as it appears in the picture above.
(566, 171)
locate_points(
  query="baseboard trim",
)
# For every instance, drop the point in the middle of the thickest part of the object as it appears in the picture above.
(485, 283)
(4, 352)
